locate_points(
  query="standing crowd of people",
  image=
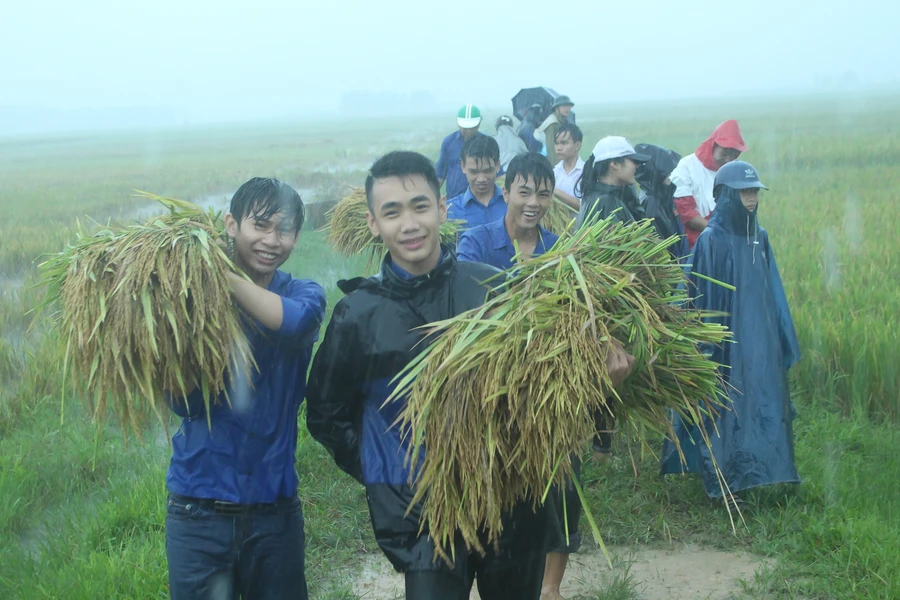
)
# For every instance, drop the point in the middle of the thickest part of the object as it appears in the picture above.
(234, 526)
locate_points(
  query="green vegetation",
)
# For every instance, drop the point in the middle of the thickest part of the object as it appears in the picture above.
(82, 515)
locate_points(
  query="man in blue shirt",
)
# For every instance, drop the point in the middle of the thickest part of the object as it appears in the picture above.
(528, 193)
(448, 166)
(234, 526)
(483, 201)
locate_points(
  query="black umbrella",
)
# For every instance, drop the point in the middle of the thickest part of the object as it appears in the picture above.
(522, 101)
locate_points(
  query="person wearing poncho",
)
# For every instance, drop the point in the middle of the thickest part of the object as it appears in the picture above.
(374, 333)
(695, 173)
(656, 195)
(752, 441)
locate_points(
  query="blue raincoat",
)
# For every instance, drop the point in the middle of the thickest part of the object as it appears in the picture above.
(752, 440)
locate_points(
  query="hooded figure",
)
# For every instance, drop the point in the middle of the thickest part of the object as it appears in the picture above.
(657, 194)
(752, 439)
(511, 145)
(527, 127)
(695, 173)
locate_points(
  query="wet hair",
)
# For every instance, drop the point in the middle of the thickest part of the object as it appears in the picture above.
(592, 173)
(573, 130)
(530, 165)
(263, 197)
(481, 147)
(402, 164)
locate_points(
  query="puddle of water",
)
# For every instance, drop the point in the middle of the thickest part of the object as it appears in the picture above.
(11, 286)
(220, 202)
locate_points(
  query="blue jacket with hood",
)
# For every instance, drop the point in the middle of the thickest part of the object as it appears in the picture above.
(754, 445)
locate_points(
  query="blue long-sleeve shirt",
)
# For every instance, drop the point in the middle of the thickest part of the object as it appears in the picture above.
(449, 166)
(490, 244)
(247, 456)
(466, 208)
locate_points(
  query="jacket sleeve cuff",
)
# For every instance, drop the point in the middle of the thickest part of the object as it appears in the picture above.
(687, 208)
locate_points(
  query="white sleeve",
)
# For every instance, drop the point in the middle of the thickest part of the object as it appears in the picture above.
(681, 177)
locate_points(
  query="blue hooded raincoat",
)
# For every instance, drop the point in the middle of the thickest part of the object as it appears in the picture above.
(752, 440)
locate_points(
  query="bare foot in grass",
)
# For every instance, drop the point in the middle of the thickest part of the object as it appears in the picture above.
(551, 594)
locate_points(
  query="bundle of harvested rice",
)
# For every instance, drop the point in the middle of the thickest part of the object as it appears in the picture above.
(147, 309)
(559, 217)
(506, 393)
(349, 233)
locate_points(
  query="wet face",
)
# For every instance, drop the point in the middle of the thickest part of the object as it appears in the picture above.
(481, 174)
(750, 198)
(563, 111)
(527, 202)
(623, 173)
(407, 214)
(566, 149)
(724, 155)
(261, 245)
(468, 132)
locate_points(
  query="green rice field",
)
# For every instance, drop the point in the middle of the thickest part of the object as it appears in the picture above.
(82, 514)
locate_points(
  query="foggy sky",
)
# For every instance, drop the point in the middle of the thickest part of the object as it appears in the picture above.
(216, 60)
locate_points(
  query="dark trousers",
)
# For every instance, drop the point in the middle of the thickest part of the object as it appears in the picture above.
(496, 581)
(226, 552)
(567, 505)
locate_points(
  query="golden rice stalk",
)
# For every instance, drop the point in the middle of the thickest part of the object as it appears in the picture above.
(349, 233)
(506, 393)
(559, 217)
(146, 309)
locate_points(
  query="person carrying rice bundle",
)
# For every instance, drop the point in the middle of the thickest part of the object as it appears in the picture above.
(754, 443)
(373, 335)
(528, 193)
(234, 523)
(529, 189)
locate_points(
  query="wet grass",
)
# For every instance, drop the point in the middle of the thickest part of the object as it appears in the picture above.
(82, 516)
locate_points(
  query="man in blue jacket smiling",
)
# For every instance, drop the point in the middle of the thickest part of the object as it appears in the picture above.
(234, 526)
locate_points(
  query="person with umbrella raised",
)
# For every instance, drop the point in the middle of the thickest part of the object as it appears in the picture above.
(529, 124)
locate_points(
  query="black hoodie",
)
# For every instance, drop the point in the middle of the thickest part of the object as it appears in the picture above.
(607, 198)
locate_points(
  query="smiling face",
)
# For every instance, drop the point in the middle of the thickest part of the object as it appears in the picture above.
(750, 198)
(482, 175)
(407, 214)
(527, 202)
(261, 245)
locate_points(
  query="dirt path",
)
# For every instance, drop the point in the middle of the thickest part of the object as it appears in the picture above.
(686, 573)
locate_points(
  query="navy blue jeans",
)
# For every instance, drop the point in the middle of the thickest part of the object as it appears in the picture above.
(257, 555)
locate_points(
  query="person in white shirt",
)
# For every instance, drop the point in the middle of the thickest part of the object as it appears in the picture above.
(568, 170)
